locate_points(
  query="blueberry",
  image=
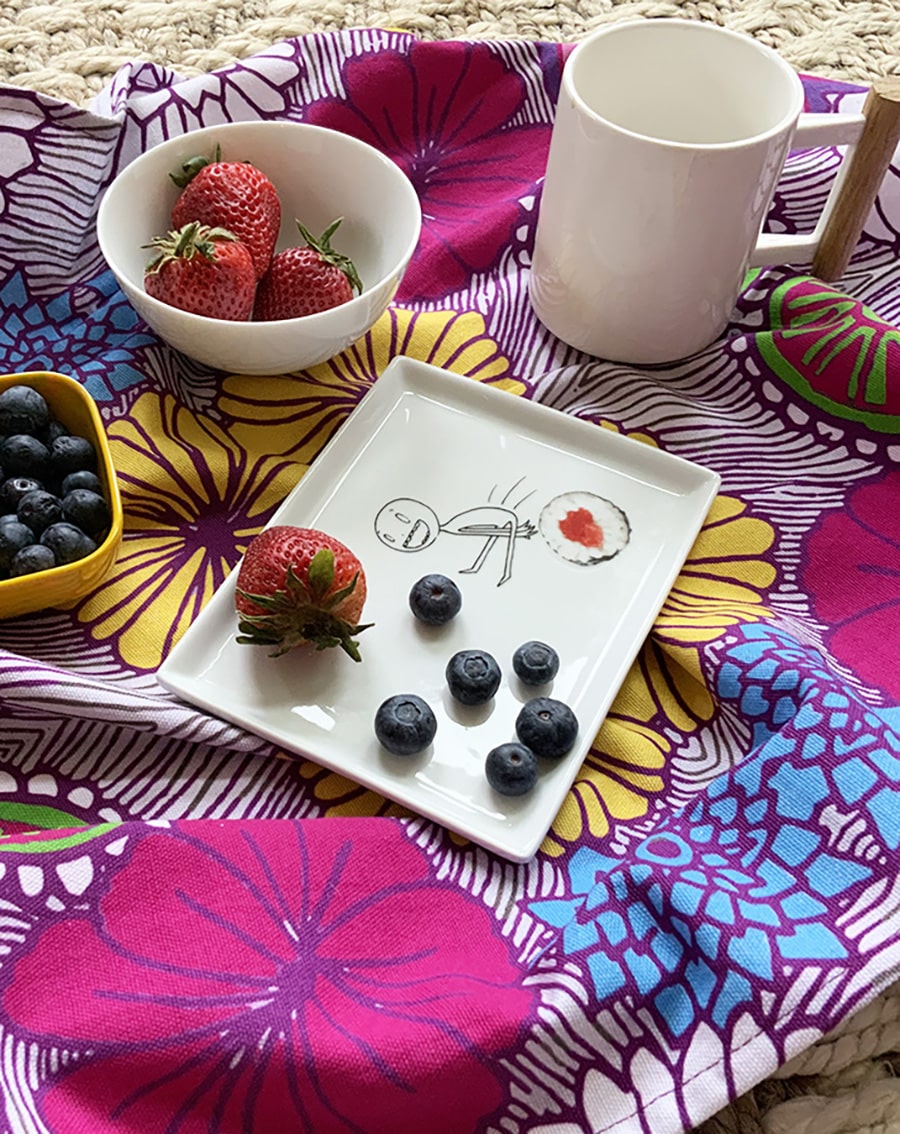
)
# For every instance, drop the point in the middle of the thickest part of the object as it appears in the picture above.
(40, 509)
(435, 599)
(81, 478)
(67, 542)
(23, 455)
(54, 429)
(22, 410)
(9, 518)
(473, 676)
(511, 769)
(405, 724)
(13, 489)
(69, 454)
(33, 558)
(548, 727)
(86, 510)
(13, 537)
(535, 663)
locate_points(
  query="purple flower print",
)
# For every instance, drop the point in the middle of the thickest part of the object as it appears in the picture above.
(446, 113)
(853, 576)
(273, 976)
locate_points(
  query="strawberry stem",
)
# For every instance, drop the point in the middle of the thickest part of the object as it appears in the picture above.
(296, 615)
(193, 239)
(322, 245)
(320, 572)
(193, 165)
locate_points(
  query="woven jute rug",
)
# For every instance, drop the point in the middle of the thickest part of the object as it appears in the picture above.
(847, 1083)
(71, 48)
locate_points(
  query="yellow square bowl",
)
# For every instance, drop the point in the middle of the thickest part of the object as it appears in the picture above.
(74, 407)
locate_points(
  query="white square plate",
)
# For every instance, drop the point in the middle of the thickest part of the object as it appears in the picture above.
(452, 467)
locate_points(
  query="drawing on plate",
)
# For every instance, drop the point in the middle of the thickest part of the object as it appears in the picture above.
(584, 528)
(407, 524)
(579, 527)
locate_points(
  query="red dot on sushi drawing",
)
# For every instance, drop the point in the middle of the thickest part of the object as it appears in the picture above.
(584, 528)
(579, 526)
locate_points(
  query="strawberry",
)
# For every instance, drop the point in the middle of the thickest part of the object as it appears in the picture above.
(233, 195)
(203, 270)
(304, 280)
(297, 586)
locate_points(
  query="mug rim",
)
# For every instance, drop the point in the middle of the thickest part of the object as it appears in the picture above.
(696, 27)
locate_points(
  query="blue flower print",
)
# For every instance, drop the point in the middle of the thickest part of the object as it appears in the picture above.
(88, 330)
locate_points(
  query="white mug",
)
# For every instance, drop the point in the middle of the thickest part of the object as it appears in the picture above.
(669, 139)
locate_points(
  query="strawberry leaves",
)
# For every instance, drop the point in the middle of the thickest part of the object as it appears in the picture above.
(193, 239)
(193, 165)
(302, 612)
(322, 246)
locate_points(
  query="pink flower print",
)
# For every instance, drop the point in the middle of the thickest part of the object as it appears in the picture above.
(853, 578)
(445, 113)
(268, 976)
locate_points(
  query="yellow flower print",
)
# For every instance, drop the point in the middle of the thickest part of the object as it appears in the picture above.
(193, 498)
(620, 775)
(340, 796)
(719, 585)
(720, 582)
(299, 413)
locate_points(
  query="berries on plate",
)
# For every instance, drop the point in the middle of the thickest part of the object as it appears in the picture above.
(511, 769)
(535, 663)
(298, 586)
(306, 279)
(206, 271)
(548, 727)
(405, 724)
(234, 195)
(473, 676)
(435, 599)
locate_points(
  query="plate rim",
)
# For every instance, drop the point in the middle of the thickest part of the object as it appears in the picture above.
(403, 375)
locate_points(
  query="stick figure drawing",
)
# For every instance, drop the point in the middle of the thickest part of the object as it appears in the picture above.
(580, 527)
(407, 525)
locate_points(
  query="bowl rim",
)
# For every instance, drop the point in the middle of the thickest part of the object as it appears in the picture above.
(300, 321)
(72, 388)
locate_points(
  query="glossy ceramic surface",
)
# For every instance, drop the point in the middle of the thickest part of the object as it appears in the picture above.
(438, 473)
(669, 139)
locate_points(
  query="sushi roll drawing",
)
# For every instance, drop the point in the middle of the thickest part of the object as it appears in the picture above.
(584, 528)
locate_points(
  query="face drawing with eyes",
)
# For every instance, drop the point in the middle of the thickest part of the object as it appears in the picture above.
(407, 525)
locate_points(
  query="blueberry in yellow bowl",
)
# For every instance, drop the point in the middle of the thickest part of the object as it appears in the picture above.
(60, 509)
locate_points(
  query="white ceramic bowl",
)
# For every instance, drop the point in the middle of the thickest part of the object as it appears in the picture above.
(320, 175)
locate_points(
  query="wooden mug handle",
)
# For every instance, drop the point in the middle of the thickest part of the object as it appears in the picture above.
(863, 179)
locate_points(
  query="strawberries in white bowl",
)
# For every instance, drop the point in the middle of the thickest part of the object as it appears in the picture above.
(313, 169)
(234, 195)
(226, 224)
(204, 270)
(306, 279)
